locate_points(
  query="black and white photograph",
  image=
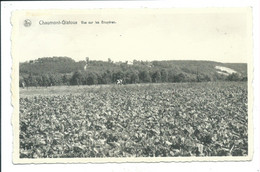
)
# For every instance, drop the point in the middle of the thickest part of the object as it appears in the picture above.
(130, 85)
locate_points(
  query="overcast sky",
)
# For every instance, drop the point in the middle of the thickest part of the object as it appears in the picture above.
(209, 34)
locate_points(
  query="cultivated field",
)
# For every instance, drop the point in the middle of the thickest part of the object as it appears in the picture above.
(146, 120)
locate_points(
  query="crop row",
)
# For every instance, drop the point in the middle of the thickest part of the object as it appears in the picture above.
(160, 120)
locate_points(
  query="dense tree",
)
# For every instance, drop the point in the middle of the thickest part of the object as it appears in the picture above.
(109, 60)
(65, 79)
(31, 81)
(53, 80)
(156, 76)
(39, 81)
(234, 77)
(127, 78)
(244, 78)
(45, 80)
(117, 75)
(144, 76)
(21, 81)
(179, 78)
(91, 78)
(134, 77)
(164, 75)
(76, 78)
(107, 77)
(65, 71)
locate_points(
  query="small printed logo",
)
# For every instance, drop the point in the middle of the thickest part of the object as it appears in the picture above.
(27, 23)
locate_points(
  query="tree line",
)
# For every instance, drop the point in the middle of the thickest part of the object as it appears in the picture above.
(128, 76)
(51, 71)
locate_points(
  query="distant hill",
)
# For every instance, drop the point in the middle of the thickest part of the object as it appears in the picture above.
(50, 65)
(63, 65)
(153, 71)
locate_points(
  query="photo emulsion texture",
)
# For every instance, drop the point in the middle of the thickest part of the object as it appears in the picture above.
(144, 120)
(88, 106)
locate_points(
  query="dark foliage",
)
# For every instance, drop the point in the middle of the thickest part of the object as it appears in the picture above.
(65, 71)
(141, 120)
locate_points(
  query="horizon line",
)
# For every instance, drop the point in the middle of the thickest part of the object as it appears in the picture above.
(116, 61)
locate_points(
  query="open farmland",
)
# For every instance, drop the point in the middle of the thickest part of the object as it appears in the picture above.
(143, 120)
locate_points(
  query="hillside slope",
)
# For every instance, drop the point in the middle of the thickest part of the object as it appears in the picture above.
(62, 65)
(59, 69)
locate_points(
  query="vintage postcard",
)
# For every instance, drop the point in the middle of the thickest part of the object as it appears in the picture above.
(132, 85)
